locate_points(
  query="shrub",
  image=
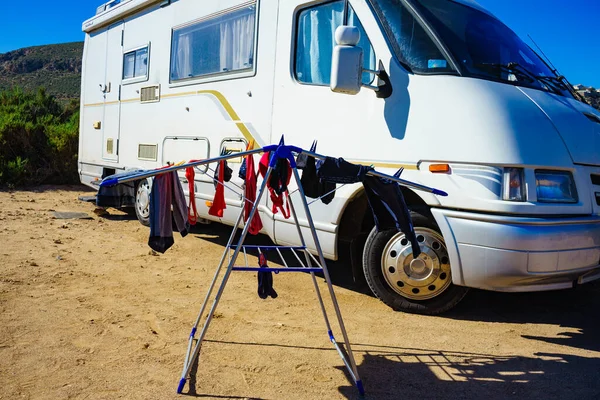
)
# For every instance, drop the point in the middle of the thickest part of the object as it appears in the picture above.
(38, 139)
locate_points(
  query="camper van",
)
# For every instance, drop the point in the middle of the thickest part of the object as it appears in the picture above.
(440, 88)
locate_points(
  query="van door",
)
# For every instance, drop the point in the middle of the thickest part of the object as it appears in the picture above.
(112, 93)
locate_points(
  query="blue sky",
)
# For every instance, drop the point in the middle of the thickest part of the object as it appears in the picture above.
(567, 31)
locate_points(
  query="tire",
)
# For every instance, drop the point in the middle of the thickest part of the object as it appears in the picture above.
(423, 287)
(142, 201)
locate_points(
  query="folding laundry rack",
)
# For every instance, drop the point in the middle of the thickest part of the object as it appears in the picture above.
(310, 264)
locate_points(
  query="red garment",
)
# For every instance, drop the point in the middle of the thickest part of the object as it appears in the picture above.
(190, 175)
(278, 200)
(218, 205)
(250, 194)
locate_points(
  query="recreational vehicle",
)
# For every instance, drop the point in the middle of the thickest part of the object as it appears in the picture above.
(441, 88)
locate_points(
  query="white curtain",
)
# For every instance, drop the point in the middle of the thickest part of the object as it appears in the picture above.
(237, 43)
(183, 56)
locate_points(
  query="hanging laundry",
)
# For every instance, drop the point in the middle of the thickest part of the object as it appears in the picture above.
(190, 175)
(314, 187)
(167, 210)
(278, 182)
(218, 205)
(265, 280)
(389, 208)
(250, 195)
(338, 170)
(385, 197)
(227, 172)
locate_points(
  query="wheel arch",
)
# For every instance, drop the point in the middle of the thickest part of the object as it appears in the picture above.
(356, 221)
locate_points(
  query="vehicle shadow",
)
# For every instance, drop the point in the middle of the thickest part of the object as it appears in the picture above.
(575, 309)
(390, 372)
(393, 373)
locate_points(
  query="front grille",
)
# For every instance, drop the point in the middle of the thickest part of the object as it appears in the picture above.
(595, 179)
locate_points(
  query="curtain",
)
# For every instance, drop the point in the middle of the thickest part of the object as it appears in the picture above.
(237, 42)
(316, 40)
(183, 56)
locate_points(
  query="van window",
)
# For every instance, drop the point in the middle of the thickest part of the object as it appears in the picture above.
(316, 38)
(135, 63)
(221, 44)
(411, 43)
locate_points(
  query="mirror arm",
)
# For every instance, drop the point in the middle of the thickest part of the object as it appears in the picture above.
(383, 90)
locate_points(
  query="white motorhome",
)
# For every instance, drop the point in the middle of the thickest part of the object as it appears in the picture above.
(450, 94)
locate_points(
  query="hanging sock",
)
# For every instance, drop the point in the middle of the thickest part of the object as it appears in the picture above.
(190, 175)
(250, 194)
(265, 280)
(216, 210)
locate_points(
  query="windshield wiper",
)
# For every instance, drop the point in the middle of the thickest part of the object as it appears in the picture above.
(553, 84)
(512, 68)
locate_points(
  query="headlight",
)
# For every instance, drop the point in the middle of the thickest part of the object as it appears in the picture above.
(513, 187)
(555, 187)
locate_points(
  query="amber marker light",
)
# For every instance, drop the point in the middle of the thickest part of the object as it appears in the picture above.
(439, 168)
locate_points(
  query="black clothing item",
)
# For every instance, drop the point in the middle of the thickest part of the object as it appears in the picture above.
(303, 158)
(280, 176)
(385, 197)
(265, 280)
(338, 170)
(311, 184)
(310, 181)
(389, 208)
(226, 176)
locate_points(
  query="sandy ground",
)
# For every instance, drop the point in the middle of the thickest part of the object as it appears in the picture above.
(87, 312)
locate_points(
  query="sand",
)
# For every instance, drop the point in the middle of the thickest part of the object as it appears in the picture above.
(87, 311)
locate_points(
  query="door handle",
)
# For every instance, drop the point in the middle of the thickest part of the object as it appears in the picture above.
(105, 88)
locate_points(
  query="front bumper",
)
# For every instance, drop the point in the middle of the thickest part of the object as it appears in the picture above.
(516, 254)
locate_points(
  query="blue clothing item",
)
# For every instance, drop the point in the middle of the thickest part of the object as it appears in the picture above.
(385, 197)
(167, 194)
(265, 280)
(121, 195)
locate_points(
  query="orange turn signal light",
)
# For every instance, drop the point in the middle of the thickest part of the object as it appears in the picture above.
(439, 168)
(209, 204)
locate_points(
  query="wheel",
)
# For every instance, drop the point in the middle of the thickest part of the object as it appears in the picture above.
(142, 201)
(422, 285)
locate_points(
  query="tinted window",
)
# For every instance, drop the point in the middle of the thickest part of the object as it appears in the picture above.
(316, 39)
(218, 45)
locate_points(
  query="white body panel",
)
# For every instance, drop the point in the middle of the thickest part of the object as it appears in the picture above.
(476, 126)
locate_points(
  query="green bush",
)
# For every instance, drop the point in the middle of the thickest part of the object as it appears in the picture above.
(38, 139)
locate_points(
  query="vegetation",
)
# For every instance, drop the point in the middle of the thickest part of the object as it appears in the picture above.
(56, 67)
(38, 139)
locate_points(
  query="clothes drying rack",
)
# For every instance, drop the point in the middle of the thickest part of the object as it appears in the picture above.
(307, 262)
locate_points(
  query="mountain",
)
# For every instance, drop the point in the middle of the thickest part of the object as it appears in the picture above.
(57, 67)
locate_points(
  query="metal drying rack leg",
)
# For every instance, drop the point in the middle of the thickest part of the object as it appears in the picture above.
(196, 351)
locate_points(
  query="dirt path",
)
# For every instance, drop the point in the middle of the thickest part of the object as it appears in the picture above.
(87, 312)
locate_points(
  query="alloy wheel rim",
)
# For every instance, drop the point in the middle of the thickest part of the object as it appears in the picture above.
(142, 199)
(422, 278)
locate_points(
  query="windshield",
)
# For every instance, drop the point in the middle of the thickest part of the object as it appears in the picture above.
(484, 46)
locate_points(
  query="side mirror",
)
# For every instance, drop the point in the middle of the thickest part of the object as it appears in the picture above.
(347, 62)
